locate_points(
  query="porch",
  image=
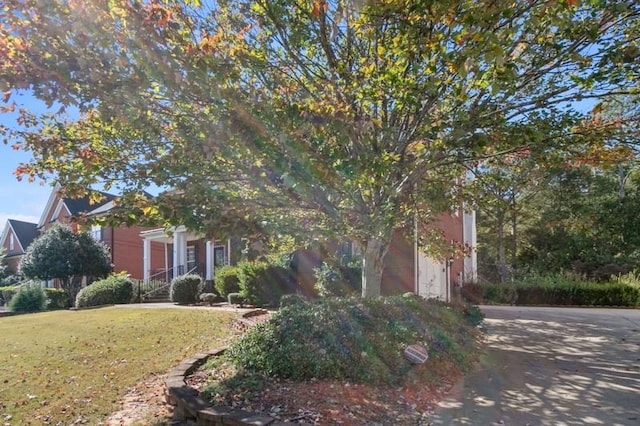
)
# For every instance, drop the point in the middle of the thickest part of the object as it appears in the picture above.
(183, 252)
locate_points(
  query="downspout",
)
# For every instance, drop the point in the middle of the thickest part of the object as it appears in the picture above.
(113, 247)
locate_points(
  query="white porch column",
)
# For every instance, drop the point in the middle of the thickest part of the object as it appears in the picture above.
(209, 261)
(179, 252)
(146, 259)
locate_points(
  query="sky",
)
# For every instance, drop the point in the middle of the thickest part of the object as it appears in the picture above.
(19, 200)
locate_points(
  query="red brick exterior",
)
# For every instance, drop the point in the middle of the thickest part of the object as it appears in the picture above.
(127, 250)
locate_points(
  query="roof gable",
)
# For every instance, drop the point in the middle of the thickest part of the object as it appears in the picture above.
(75, 206)
(24, 232)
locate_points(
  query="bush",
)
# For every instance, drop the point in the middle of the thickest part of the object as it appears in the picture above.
(116, 289)
(293, 299)
(210, 298)
(340, 282)
(185, 289)
(227, 280)
(235, 299)
(57, 299)
(6, 293)
(30, 297)
(262, 284)
(353, 339)
(555, 291)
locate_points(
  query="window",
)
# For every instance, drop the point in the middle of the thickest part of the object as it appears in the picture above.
(11, 243)
(218, 256)
(96, 232)
(191, 257)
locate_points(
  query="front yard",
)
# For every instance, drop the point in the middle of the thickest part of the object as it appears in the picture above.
(65, 367)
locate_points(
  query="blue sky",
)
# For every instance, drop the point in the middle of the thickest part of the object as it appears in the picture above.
(19, 200)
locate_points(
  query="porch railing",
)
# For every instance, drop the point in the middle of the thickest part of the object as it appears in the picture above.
(159, 282)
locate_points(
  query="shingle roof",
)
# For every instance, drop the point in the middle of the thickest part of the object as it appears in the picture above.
(77, 206)
(26, 232)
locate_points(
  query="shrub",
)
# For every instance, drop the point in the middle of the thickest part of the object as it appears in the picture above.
(210, 298)
(332, 281)
(6, 293)
(116, 289)
(353, 339)
(263, 284)
(293, 299)
(227, 280)
(57, 299)
(185, 289)
(235, 299)
(555, 291)
(30, 297)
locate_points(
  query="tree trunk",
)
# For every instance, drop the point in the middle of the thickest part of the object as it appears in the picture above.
(514, 241)
(622, 179)
(502, 259)
(372, 266)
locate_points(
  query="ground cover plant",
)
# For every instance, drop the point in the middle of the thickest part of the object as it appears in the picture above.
(347, 340)
(63, 367)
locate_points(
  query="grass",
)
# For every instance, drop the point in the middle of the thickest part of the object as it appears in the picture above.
(63, 366)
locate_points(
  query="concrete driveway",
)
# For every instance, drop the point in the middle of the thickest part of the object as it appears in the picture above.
(552, 366)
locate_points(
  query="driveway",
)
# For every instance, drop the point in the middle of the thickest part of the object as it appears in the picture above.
(552, 366)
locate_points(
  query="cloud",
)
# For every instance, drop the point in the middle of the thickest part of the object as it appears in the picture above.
(25, 218)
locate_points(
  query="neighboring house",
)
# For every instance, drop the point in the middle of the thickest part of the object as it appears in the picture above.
(123, 242)
(15, 239)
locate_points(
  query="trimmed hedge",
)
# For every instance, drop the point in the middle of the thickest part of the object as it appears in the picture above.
(116, 289)
(262, 284)
(57, 299)
(185, 289)
(227, 280)
(565, 293)
(30, 297)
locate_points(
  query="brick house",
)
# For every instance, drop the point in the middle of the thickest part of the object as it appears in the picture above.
(16, 237)
(407, 269)
(123, 242)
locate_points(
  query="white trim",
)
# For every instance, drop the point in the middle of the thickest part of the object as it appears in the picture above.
(8, 230)
(5, 232)
(56, 212)
(52, 197)
(103, 209)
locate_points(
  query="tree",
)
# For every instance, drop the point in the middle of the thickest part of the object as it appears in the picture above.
(61, 254)
(312, 118)
(3, 265)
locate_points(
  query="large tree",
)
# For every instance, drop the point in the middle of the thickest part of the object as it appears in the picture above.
(62, 254)
(313, 117)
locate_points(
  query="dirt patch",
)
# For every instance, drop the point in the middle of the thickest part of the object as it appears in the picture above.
(329, 402)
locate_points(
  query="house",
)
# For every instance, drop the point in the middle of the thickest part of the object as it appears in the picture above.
(123, 242)
(16, 237)
(407, 269)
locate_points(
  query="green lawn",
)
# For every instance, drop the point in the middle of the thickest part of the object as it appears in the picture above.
(64, 366)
